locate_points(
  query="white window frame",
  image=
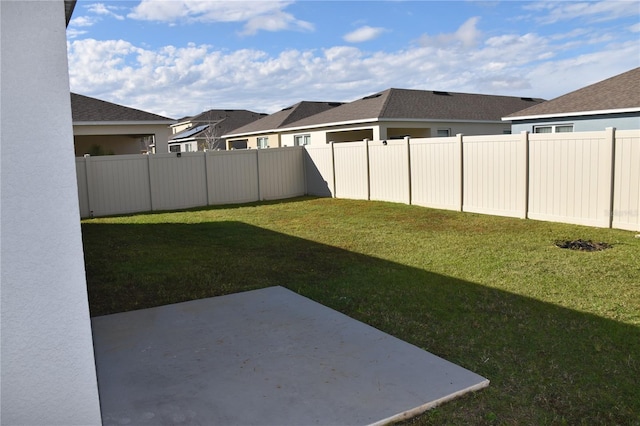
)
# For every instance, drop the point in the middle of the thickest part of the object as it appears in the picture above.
(447, 130)
(263, 142)
(305, 139)
(553, 127)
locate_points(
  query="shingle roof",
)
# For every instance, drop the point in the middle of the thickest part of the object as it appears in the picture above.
(286, 116)
(619, 92)
(421, 105)
(84, 108)
(224, 119)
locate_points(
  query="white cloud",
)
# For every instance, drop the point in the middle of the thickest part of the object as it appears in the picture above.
(362, 34)
(184, 80)
(549, 12)
(257, 15)
(83, 21)
(102, 9)
(467, 35)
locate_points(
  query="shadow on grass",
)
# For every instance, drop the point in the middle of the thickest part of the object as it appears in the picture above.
(547, 364)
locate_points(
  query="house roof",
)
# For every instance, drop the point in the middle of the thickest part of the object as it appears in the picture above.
(286, 116)
(615, 94)
(224, 119)
(84, 108)
(69, 5)
(407, 104)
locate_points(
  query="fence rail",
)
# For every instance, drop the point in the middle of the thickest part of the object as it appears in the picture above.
(587, 178)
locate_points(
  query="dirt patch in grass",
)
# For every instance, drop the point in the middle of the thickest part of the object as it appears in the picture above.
(582, 245)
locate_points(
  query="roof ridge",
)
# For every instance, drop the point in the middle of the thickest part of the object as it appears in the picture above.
(387, 99)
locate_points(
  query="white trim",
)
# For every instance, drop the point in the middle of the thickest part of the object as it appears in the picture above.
(121, 123)
(364, 121)
(559, 115)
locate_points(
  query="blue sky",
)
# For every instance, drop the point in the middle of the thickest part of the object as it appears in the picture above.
(182, 57)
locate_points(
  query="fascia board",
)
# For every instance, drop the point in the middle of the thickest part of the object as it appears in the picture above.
(351, 122)
(122, 123)
(573, 114)
(257, 132)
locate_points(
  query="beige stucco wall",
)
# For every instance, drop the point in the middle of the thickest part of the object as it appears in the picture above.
(177, 128)
(122, 132)
(392, 130)
(378, 131)
(252, 141)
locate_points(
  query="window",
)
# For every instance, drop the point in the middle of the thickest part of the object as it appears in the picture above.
(174, 148)
(566, 128)
(299, 140)
(443, 133)
(187, 147)
(555, 128)
(263, 143)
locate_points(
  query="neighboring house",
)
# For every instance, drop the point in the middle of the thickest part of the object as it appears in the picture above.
(264, 133)
(394, 114)
(205, 130)
(101, 128)
(614, 102)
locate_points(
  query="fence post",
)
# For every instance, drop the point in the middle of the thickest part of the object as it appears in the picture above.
(460, 173)
(149, 161)
(87, 176)
(366, 146)
(408, 146)
(610, 135)
(257, 151)
(333, 171)
(524, 140)
(206, 176)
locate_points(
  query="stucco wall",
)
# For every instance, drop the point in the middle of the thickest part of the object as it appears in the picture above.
(394, 129)
(48, 373)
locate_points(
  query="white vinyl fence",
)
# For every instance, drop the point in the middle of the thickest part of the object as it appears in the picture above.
(588, 178)
(123, 184)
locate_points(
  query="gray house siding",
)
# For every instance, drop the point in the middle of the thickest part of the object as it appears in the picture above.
(628, 121)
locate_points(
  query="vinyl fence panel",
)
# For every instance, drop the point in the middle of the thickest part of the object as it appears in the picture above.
(232, 176)
(351, 170)
(626, 191)
(570, 177)
(495, 175)
(177, 182)
(281, 173)
(318, 166)
(117, 184)
(389, 171)
(436, 172)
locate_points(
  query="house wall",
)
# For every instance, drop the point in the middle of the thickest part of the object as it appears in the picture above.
(161, 132)
(399, 129)
(48, 372)
(583, 124)
(392, 130)
(252, 141)
(177, 128)
(110, 145)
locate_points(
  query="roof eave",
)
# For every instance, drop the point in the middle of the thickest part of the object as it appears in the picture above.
(366, 121)
(572, 114)
(122, 123)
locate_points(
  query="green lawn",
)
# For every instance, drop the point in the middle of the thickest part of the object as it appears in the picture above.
(557, 331)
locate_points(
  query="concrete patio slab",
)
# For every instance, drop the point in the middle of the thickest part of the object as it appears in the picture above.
(264, 357)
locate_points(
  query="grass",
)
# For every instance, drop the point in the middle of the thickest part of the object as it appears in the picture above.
(556, 331)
